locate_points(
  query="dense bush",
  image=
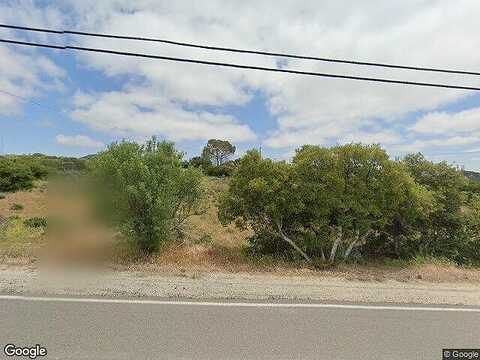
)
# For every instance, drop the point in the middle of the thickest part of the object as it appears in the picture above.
(225, 169)
(14, 175)
(444, 232)
(145, 190)
(352, 200)
(472, 243)
(199, 162)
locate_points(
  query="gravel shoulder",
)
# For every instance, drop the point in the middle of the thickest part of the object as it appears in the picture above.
(27, 280)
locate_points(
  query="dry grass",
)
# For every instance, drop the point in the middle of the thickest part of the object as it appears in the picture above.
(19, 243)
(194, 259)
(206, 227)
(34, 203)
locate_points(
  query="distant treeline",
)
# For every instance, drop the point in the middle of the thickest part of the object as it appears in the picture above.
(18, 172)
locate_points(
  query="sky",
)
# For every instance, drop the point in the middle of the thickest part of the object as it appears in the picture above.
(73, 103)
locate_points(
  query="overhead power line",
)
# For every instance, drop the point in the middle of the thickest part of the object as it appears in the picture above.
(243, 51)
(27, 100)
(239, 66)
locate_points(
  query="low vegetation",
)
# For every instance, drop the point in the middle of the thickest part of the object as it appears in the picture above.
(18, 240)
(348, 204)
(16, 207)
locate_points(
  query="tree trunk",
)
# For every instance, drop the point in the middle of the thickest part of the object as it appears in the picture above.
(337, 241)
(357, 242)
(290, 241)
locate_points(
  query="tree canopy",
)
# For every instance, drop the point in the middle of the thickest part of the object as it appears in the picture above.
(334, 202)
(218, 151)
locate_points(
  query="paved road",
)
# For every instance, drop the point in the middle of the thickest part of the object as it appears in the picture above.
(151, 330)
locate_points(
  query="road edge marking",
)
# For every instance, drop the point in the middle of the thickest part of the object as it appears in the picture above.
(238, 304)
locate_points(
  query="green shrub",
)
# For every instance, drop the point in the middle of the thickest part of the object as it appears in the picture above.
(145, 191)
(220, 170)
(2, 196)
(14, 175)
(199, 162)
(38, 170)
(16, 207)
(36, 222)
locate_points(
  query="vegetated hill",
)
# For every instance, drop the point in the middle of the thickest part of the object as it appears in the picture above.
(473, 175)
(49, 163)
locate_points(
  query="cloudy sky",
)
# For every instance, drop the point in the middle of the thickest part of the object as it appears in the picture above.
(74, 103)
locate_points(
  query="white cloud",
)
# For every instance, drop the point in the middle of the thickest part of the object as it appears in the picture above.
(24, 75)
(467, 121)
(138, 112)
(456, 142)
(384, 137)
(24, 72)
(313, 110)
(78, 141)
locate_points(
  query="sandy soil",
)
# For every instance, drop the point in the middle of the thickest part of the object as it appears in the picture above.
(55, 281)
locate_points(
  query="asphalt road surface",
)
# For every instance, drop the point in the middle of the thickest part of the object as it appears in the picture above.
(131, 329)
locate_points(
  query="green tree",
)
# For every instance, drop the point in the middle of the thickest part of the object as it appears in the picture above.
(145, 190)
(471, 251)
(444, 233)
(319, 183)
(353, 191)
(327, 202)
(218, 151)
(262, 197)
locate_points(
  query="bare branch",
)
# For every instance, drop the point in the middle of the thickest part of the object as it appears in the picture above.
(290, 241)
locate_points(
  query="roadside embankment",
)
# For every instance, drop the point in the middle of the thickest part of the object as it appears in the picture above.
(218, 285)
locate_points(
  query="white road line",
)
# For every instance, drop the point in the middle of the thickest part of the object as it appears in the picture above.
(237, 304)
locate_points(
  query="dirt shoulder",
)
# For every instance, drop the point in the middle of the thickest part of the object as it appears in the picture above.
(218, 285)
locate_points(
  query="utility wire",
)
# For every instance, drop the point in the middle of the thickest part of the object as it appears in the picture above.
(239, 66)
(28, 100)
(243, 51)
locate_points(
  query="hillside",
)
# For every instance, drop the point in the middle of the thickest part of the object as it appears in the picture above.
(473, 175)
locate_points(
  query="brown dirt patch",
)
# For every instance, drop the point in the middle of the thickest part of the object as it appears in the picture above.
(34, 203)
